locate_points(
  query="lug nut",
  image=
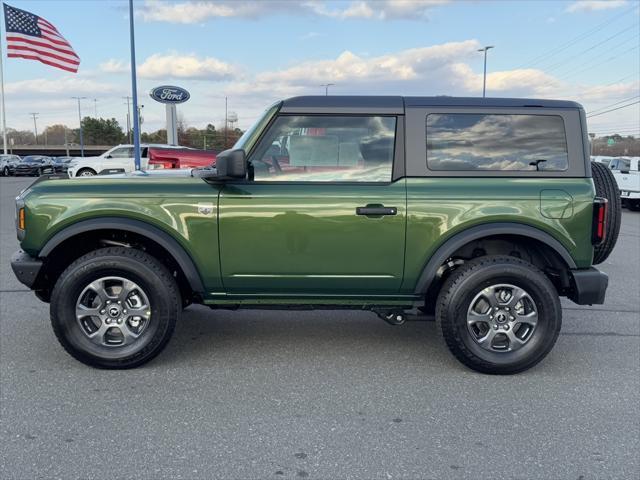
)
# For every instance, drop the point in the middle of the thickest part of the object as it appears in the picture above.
(507, 308)
(512, 318)
(108, 302)
(506, 327)
(490, 316)
(119, 302)
(124, 311)
(495, 327)
(102, 311)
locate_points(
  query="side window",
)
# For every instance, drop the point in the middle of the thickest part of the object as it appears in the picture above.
(496, 142)
(326, 149)
(124, 152)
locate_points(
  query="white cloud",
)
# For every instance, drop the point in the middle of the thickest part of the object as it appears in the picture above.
(114, 66)
(197, 11)
(421, 68)
(594, 5)
(174, 65)
(66, 85)
(186, 66)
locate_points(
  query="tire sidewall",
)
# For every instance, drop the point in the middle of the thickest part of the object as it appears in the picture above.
(63, 317)
(542, 293)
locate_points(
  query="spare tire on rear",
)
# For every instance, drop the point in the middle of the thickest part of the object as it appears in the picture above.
(606, 187)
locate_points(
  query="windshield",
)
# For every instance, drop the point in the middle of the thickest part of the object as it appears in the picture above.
(33, 159)
(249, 138)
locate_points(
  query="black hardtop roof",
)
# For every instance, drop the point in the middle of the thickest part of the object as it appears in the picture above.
(397, 103)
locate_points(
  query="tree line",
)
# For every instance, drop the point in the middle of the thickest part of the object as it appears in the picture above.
(107, 131)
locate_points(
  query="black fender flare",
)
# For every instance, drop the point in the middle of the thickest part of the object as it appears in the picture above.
(162, 238)
(481, 231)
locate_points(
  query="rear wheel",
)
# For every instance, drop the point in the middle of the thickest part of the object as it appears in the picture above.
(115, 308)
(607, 187)
(499, 314)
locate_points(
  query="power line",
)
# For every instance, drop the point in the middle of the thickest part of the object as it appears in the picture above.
(614, 109)
(563, 47)
(612, 105)
(597, 62)
(596, 45)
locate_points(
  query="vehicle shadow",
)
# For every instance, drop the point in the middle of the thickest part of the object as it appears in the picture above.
(258, 336)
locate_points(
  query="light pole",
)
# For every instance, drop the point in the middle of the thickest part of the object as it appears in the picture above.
(326, 88)
(80, 121)
(484, 77)
(35, 125)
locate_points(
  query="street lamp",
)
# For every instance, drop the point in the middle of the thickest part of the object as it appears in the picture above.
(80, 120)
(326, 88)
(484, 78)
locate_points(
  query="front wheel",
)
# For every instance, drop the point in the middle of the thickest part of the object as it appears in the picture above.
(86, 172)
(115, 308)
(5, 172)
(499, 314)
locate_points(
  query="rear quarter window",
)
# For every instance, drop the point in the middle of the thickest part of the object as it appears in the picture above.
(496, 142)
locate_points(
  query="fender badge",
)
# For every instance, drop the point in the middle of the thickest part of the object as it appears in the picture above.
(205, 208)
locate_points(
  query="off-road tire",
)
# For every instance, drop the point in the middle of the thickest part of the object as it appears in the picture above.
(466, 282)
(135, 265)
(607, 187)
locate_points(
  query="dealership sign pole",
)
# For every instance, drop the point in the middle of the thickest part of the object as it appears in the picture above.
(170, 96)
(134, 93)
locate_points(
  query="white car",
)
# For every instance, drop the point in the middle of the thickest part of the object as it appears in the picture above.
(117, 160)
(625, 170)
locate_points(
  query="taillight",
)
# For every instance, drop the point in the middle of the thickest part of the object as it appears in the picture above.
(599, 232)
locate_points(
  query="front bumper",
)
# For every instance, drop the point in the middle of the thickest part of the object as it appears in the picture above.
(589, 286)
(25, 267)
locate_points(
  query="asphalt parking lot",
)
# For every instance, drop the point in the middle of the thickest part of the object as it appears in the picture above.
(253, 394)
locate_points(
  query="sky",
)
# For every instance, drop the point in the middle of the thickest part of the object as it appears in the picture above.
(256, 52)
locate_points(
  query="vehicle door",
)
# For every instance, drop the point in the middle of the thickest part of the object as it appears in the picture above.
(323, 211)
(119, 158)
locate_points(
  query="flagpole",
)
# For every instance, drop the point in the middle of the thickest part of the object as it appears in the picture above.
(134, 93)
(4, 113)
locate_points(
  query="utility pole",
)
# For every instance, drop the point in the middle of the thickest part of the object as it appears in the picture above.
(66, 142)
(35, 125)
(95, 107)
(128, 118)
(484, 77)
(226, 122)
(80, 121)
(326, 88)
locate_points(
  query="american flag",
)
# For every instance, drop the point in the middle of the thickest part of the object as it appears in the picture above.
(32, 37)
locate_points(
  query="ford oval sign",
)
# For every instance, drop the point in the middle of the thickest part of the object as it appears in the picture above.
(169, 94)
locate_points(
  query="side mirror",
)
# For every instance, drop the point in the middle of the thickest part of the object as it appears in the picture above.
(229, 164)
(108, 156)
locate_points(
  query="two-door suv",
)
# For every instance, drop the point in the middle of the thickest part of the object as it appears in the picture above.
(482, 211)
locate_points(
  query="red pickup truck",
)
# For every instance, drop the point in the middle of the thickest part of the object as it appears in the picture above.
(180, 158)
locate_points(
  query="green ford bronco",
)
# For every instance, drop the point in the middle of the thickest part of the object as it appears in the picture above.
(480, 212)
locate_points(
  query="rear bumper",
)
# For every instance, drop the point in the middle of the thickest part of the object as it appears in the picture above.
(589, 286)
(25, 267)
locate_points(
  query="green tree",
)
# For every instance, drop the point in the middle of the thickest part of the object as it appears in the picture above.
(101, 131)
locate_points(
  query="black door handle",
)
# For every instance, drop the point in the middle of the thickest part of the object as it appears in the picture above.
(376, 210)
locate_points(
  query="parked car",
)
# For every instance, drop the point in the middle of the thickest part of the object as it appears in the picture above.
(34, 165)
(180, 158)
(8, 164)
(61, 164)
(625, 171)
(119, 159)
(483, 212)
